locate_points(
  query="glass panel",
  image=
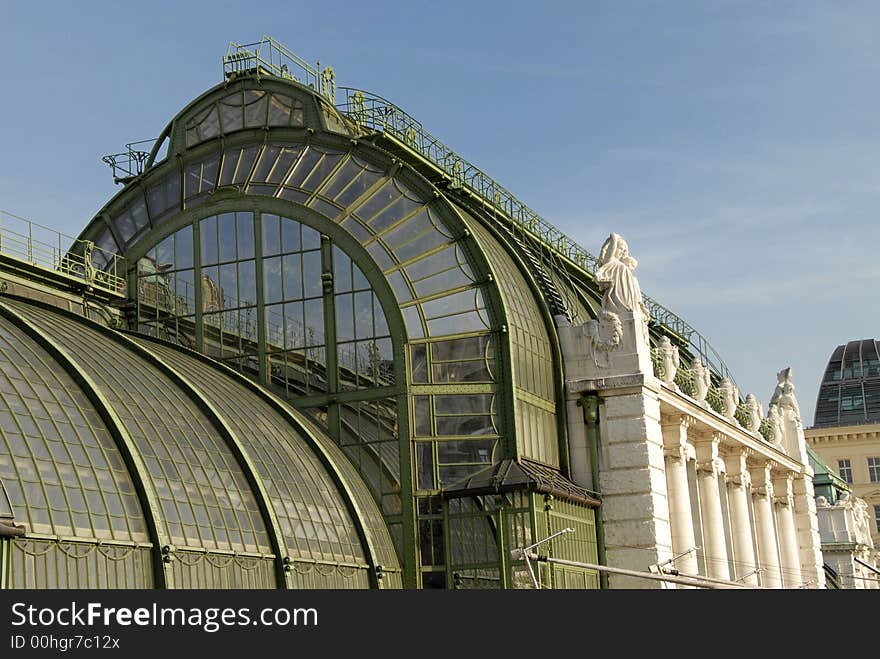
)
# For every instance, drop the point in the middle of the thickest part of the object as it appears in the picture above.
(293, 276)
(364, 181)
(226, 231)
(344, 318)
(266, 163)
(65, 463)
(271, 234)
(321, 170)
(183, 248)
(399, 209)
(285, 161)
(379, 200)
(312, 273)
(244, 223)
(363, 315)
(255, 108)
(344, 175)
(304, 167)
(247, 282)
(208, 231)
(290, 234)
(418, 361)
(272, 288)
(341, 271)
(231, 112)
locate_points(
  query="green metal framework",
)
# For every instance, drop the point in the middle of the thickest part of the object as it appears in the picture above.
(376, 113)
(314, 527)
(273, 228)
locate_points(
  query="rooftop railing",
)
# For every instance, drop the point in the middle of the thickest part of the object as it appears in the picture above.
(377, 113)
(46, 248)
(129, 163)
(273, 58)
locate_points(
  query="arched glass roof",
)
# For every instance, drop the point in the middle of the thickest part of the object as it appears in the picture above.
(58, 461)
(850, 389)
(301, 250)
(312, 513)
(102, 427)
(531, 354)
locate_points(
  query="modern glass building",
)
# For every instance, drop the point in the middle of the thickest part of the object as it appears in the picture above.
(850, 389)
(305, 345)
(846, 428)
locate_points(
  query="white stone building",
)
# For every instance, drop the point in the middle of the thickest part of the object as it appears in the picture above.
(693, 480)
(847, 546)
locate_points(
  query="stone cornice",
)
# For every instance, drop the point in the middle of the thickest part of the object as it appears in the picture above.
(732, 436)
(849, 436)
(609, 386)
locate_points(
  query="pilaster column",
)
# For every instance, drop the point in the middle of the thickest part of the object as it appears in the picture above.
(807, 523)
(787, 531)
(708, 468)
(768, 552)
(675, 452)
(632, 480)
(739, 484)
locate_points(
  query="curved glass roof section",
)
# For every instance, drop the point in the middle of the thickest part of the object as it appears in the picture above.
(59, 464)
(850, 390)
(411, 234)
(532, 357)
(203, 493)
(213, 453)
(312, 514)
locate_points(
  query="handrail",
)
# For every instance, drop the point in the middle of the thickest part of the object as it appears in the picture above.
(377, 113)
(129, 162)
(44, 247)
(274, 58)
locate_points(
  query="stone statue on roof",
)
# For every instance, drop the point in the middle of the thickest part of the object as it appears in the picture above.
(702, 379)
(783, 395)
(616, 276)
(669, 360)
(755, 413)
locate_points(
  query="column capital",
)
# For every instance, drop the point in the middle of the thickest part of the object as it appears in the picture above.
(706, 445)
(736, 461)
(782, 488)
(677, 419)
(712, 465)
(677, 452)
(762, 483)
(739, 478)
(783, 500)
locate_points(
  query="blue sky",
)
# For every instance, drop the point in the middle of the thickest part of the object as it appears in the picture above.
(735, 145)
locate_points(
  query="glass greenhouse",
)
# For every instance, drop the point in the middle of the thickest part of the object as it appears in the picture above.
(316, 351)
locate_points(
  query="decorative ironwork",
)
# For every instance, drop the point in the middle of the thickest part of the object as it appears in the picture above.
(129, 163)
